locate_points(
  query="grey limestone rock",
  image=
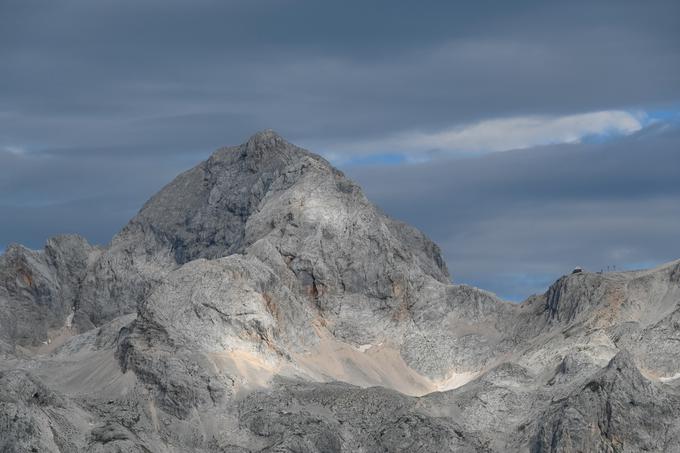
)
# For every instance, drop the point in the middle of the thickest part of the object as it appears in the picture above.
(616, 410)
(39, 289)
(260, 302)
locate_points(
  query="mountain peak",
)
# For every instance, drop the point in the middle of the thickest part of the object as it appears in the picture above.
(265, 152)
(264, 143)
(267, 138)
(269, 187)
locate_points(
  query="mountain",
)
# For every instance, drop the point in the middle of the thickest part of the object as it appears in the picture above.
(260, 302)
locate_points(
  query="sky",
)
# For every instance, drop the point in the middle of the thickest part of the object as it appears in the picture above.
(525, 138)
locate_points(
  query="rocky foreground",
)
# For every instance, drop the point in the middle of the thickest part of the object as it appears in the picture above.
(260, 302)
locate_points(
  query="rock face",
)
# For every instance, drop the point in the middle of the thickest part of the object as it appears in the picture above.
(259, 302)
(39, 290)
(616, 410)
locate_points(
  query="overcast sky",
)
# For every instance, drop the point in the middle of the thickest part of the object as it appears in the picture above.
(524, 137)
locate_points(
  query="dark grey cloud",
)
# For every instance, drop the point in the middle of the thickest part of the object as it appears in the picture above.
(103, 102)
(92, 192)
(513, 222)
(322, 70)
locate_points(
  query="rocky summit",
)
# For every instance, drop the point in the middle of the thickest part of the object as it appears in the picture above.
(260, 302)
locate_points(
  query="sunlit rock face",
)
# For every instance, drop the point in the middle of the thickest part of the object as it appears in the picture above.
(259, 302)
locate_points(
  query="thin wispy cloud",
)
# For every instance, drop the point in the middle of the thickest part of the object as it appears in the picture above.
(15, 150)
(502, 134)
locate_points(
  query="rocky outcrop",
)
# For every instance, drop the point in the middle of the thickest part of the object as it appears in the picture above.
(260, 302)
(616, 410)
(307, 417)
(35, 418)
(39, 289)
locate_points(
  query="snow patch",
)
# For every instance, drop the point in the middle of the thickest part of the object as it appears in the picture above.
(670, 378)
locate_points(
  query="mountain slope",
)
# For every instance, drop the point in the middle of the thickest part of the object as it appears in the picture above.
(259, 302)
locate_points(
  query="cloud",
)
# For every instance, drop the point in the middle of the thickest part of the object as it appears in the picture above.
(501, 135)
(92, 74)
(88, 191)
(14, 150)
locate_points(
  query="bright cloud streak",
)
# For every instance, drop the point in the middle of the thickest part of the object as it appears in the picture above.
(501, 134)
(16, 150)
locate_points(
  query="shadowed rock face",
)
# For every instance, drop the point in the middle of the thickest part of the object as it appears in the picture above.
(39, 290)
(259, 302)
